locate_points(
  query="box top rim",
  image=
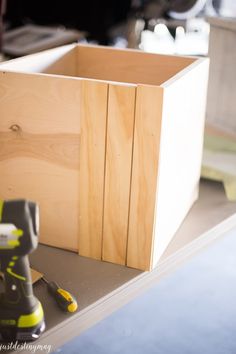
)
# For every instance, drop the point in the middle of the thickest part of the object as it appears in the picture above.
(167, 82)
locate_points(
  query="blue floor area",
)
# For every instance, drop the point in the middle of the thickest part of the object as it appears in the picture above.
(191, 311)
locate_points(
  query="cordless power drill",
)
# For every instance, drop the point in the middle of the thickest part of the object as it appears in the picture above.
(21, 313)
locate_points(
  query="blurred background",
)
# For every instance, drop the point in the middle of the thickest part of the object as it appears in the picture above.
(159, 26)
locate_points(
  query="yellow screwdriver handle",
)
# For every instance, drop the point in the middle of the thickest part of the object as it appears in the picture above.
(65, 300)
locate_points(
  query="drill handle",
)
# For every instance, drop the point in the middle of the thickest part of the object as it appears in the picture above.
(18, 283)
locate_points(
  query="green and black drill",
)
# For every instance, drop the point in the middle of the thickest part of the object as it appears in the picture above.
(21, 313)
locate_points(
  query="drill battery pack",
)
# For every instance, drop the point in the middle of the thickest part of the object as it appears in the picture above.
(21, 327)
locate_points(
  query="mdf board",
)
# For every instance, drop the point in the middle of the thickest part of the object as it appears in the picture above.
(221, 109)
(105, 140)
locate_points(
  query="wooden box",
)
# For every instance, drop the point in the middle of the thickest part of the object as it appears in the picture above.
(109, 142)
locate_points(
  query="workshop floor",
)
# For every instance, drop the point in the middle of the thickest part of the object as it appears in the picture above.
(191, 311)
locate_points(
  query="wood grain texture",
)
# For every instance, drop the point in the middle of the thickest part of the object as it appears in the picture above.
(131, 66)
(144, 176)
(39, 158)
(121, 105)
(55, 149)
(39, 104)
(92, 164)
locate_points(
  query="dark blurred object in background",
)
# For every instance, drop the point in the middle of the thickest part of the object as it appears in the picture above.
(92, 16)
(2, 11)
(99, 17)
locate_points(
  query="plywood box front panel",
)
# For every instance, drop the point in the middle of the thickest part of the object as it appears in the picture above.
(39, 150)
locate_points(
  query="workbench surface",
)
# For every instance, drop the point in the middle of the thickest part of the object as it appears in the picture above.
(94, 283)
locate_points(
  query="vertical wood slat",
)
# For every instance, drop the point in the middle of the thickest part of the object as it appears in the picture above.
(144, 176)
(121, 105)
(92, 160)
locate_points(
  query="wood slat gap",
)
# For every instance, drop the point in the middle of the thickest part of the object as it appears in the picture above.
(131, 175)
(104, 178)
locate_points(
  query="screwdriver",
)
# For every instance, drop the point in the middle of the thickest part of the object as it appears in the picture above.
(64, 299)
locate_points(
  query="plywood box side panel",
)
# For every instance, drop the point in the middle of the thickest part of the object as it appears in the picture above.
(147, 133)
(92, 163)
(120, 125)
(39, 104)
(180, 153)
(127, 65)
(61, 61)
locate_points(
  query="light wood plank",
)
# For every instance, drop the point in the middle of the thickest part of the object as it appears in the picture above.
(92, 163)
(121, 105)
(39, 103)
(39, 150)
(144, 176)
